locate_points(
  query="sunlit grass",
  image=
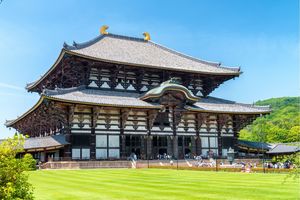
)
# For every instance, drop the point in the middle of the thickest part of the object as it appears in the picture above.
(159, 184)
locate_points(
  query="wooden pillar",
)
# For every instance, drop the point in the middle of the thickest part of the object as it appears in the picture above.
(200, 119)
(123, 146)
(146, 147)
(175, 137)
(151, 115)
(198, 146)
(221, 122)
(94, 117)
(194, 147)
(175, 146)
(149, 146)
(143, 147)
(183, 147)
(235, 125)
(123, 118)
(219, 144)
(68, 135)
(170, 145)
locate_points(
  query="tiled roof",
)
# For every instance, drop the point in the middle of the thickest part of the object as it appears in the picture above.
(137, 51)
(80, 95)
(212, 104)
(45, 142)
(101, 97)
(254, 145)
(284, 148)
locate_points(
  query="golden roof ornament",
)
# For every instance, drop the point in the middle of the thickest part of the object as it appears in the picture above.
(103, 30)
(147, 36)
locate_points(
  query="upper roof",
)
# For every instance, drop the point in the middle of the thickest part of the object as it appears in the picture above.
(137, 51)
(131, 51)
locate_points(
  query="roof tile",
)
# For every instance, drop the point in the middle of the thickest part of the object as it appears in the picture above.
(137, 51)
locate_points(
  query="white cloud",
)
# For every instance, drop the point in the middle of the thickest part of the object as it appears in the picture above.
(10, 86)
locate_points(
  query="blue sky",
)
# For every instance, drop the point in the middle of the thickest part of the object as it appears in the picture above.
(261, 36)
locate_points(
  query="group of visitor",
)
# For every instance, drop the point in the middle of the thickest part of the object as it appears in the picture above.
(163, 156)
(279, 165)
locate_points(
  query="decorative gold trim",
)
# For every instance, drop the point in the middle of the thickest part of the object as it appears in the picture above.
(147, 36)
(103, 30)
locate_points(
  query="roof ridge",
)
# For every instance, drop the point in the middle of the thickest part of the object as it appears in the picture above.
(81, 45)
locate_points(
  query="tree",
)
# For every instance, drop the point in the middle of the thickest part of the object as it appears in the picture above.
(295, 159)
(294, 133)
(13, 181)
(282, 125)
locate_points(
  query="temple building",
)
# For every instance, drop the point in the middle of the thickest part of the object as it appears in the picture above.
(116, 95)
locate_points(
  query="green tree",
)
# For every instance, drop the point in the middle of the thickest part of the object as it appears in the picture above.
(295, 159)
(13, 181)
(282, 125)
(294, 133)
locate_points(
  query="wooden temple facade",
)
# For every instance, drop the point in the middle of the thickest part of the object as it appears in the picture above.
(116, 95)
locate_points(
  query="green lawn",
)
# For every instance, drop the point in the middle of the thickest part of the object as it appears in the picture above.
(159, 184)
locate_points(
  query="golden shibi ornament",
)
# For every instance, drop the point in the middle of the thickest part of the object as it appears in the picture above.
(103, 30)
(147, 36)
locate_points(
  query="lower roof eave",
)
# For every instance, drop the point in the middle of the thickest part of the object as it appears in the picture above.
(10, 123)
(104, 105)
(38, 149)
(228, 112)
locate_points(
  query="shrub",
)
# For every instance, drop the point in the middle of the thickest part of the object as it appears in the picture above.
(13, 181)
(29, 162)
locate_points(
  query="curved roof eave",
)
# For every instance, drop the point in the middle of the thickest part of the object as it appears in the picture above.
(99, 104)
(11, 122)
(228, 112)
(233, 72)
(66, 51)
(32, 85)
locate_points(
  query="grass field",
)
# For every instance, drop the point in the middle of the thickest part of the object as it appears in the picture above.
(159, 184)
